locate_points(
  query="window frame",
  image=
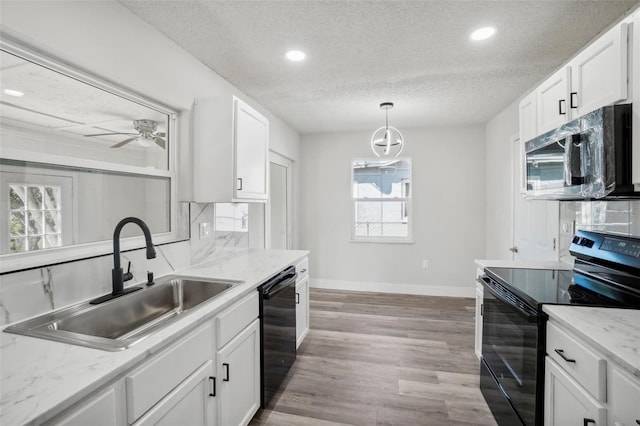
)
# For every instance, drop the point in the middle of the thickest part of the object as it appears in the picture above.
(18, 261)
(406, 209)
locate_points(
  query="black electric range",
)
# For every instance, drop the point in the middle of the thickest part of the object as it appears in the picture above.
(606, 273)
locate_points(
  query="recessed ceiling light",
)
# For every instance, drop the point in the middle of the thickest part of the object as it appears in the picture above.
(12, 92)
(482, 33)
(296, 55)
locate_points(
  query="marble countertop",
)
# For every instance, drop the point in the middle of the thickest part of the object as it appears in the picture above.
(41, 378)
(529, 264)
(613, 332)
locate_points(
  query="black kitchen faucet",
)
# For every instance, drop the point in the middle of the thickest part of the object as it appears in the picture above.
(117, 276)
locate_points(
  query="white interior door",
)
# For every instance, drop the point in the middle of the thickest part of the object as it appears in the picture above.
(279, 202)
(535, 222)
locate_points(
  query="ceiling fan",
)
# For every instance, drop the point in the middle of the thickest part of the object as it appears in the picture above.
(145, 137)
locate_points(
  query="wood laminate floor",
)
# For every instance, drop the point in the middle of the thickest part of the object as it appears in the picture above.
(383, 359)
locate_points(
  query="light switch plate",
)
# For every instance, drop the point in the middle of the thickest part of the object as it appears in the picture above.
(205, 230)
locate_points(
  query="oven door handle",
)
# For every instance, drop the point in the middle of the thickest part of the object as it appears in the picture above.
(531, 315)
(279, 287)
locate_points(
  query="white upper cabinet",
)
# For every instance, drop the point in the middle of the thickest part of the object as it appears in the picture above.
(252, 151)
(599, 73)
(527, 113)
(551, 101)
(595, 77)
(229, 151)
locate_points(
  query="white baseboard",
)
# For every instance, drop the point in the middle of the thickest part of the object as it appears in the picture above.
(422, 290)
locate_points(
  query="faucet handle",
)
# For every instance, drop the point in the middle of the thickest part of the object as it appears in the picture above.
(128, 275)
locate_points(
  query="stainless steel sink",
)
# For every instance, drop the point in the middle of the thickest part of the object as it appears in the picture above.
(121, 322)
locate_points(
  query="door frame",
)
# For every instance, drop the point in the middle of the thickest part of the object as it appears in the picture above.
(287, 163)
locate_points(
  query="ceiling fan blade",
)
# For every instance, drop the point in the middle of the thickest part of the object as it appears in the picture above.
(124, 142)
(107, 134)
(160, 142)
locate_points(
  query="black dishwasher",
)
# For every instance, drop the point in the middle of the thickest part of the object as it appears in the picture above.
(277, 331)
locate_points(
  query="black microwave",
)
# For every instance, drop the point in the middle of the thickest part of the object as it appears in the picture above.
(587, 158)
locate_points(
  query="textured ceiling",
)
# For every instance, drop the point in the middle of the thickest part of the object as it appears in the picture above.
(360, 53)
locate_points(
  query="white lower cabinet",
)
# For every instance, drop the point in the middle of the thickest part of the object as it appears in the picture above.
(479, 310)
(108, 406)
(302, 301)
(568, 403)
(302, 309)
(155, 382)
(191, 403)
(583, 386)
(238, 377)
(209, 377)
(624, 398)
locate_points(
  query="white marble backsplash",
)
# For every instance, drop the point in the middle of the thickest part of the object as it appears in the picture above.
(36, 291)
(229, 232)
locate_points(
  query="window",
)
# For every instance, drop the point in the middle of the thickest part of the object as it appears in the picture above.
(381, 193)
(34, 217)
(37, 210)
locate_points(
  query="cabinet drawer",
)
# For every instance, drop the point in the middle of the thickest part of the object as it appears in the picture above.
(585, 366)
(302, 268)
(233, 320)
(150, 383)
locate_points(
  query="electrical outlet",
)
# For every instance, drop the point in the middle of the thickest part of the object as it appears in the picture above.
(425, 264)
(205, 230)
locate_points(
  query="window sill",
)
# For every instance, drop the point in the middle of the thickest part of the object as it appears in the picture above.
(382, 241)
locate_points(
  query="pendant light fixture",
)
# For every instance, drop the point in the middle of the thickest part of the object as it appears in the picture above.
(387, 141)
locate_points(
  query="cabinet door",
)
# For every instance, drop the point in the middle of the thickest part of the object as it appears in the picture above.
(551, 101)
(251, 152)
(623, 399)
(156, 378)
(238, 377)
(566, 402)
(479, 296)
(527, 115)
(599, 72)
(108, 406)
(191, 403)
(302, 309)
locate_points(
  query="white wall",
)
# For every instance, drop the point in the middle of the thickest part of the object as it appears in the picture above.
(448, 213)
(500, 132)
